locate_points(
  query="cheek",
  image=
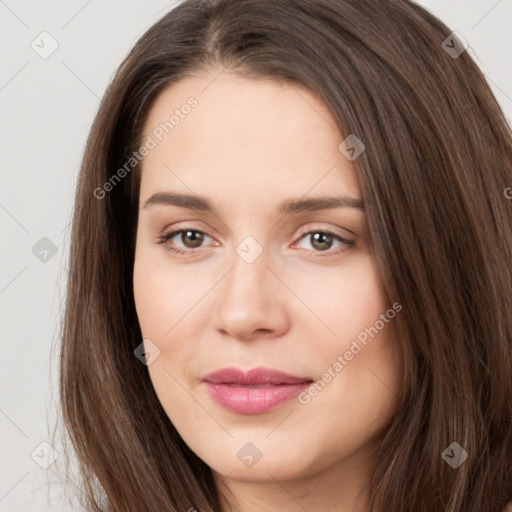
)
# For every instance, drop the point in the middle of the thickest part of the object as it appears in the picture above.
(163, 297)
(170, 314)
(357, 357)
(345, 302)
(163, 302)
(151, 300)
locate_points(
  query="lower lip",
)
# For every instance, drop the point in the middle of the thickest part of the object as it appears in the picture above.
(253, 400)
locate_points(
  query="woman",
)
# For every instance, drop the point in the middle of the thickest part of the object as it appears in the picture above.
(290, 275)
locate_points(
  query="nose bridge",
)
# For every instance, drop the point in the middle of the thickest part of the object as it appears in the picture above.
(249, 274)
(249, 298)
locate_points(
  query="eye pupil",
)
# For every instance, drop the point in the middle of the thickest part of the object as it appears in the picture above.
(195, 236)
(321, 241)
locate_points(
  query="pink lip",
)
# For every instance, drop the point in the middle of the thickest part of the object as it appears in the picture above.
(253, 392)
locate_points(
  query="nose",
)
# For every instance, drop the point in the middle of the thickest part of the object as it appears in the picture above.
(251, 301)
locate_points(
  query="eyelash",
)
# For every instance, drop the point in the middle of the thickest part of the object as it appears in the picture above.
(164, 237)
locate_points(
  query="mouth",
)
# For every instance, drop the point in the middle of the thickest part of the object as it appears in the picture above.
(253, 392)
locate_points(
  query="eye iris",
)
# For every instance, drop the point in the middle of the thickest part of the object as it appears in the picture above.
(321, 241)
(195, 236)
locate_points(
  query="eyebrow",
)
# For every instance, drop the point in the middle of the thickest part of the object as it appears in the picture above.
(194, 202)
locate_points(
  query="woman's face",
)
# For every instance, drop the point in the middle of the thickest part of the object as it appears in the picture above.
(268, 279)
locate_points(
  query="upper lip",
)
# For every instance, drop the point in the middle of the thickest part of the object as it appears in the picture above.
(252, 377)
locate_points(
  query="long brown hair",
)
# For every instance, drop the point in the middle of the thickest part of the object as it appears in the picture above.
(438, 158)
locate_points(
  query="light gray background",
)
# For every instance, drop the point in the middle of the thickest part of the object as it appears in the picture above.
(47, 108)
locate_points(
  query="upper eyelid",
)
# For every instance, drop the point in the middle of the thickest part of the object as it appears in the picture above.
(311, 229)
(302, 231)
(313, 225)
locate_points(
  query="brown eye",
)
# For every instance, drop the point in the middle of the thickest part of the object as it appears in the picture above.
(321, 241)
(192, 238)
(182, 239)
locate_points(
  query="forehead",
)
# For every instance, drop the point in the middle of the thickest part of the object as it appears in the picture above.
(244, 137)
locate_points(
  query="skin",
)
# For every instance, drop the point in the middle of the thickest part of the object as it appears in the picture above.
(248, 145)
